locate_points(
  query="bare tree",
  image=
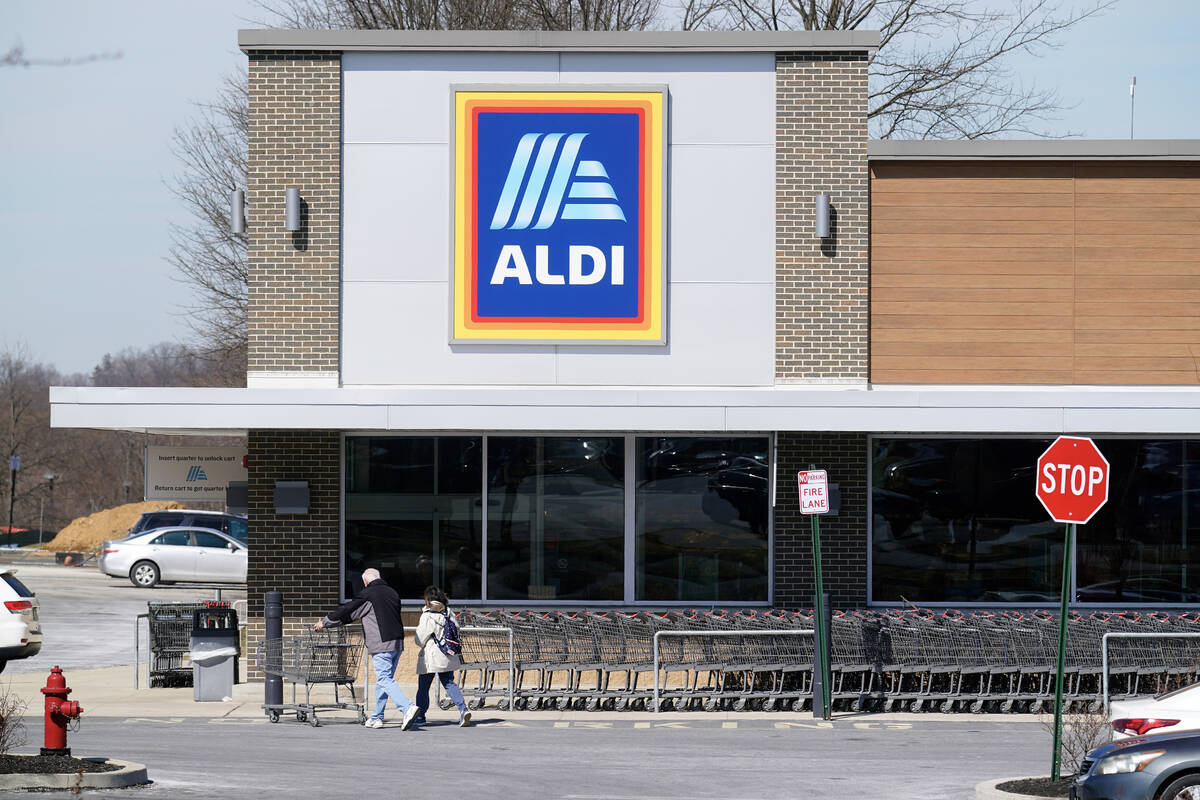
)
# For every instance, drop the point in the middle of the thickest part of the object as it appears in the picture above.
(15, 57)
(942, 70)
(559, 15)
(24, 426)
(207, 255)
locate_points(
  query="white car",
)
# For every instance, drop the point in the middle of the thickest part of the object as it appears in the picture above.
(175, 554)
(1165, 713)
(20, 631)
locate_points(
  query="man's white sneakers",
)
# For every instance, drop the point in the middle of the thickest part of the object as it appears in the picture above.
(373, 723)
(465, 719)
(409, 716)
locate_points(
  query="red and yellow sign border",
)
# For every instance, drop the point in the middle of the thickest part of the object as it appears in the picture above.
(648, 327)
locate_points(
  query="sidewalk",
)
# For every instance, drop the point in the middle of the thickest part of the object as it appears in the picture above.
(109, 692)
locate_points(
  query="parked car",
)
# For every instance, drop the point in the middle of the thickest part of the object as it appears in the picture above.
(20, 631)
(1165, 767)
(1171, 712)
(175, 554)
(229, 524)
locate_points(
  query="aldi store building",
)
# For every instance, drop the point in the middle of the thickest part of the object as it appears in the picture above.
(555, 318)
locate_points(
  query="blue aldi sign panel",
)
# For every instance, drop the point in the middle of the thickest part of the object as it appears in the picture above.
(559, 216)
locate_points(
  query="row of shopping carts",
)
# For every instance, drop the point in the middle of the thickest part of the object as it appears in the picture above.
(903, 659)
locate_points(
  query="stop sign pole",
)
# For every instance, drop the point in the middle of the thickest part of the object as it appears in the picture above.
(1072, 484)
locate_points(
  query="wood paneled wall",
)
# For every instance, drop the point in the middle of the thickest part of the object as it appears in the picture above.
(1035, 272)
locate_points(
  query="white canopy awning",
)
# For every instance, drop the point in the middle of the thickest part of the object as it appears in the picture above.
(898, 409)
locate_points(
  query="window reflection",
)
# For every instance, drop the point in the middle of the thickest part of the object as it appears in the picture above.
(956, 520)
(1141, 547)
(556, 518)
(413, 512)
(701, 519)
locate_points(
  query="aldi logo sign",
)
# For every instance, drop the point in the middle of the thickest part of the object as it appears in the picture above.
(559, 216)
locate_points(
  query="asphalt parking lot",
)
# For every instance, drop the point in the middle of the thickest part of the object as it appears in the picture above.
(585, 758)
(231, 751)
(87, 617)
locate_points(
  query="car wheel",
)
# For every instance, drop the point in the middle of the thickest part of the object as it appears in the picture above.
(1185, 788)
(144, 575)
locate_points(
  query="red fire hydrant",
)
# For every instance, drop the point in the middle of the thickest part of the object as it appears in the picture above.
(59, 711)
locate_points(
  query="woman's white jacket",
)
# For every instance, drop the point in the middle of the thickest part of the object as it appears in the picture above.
(430, 657)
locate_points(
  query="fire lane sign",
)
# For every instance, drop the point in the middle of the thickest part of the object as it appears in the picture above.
(1072, 479)
(814, 491)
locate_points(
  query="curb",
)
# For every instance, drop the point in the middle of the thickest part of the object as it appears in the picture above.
(987, 789)
(130, 774)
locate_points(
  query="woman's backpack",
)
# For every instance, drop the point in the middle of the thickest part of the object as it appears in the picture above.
(448, 641)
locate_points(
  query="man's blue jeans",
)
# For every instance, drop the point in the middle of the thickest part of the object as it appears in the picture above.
(385, 685)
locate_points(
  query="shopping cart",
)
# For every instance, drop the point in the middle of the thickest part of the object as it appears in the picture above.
(170, 642)
(330, 657)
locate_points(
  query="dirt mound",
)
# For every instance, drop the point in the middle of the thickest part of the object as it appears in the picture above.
(86, 534)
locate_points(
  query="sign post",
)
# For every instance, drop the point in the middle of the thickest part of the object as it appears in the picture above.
(1072, 484)
(814, 501)
(14, 466)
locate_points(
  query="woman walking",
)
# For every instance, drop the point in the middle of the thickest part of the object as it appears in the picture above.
(431, 660)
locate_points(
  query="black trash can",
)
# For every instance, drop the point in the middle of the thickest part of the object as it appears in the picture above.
(214, 653)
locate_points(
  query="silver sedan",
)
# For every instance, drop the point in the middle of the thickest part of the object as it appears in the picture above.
(175, 554)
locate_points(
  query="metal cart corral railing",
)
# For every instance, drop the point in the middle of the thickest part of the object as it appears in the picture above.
(330, 657)
(712, 634)
(1127, 635)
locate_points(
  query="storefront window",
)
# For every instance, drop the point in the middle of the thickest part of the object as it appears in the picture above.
(1143, 546)
(956, 521)
(413, 511)
(556, 518)
(702, 519)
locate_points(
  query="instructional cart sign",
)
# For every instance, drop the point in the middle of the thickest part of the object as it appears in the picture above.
(193, 473)
(814, 491)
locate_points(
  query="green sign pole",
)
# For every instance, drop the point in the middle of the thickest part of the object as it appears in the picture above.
(1062, 650)
(822, 633)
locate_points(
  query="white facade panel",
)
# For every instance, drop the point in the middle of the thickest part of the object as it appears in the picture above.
(396, 222)
(398, 336)
(728, 99)
(721, 337)
(405, 97)
(389, 232)
(723, 216)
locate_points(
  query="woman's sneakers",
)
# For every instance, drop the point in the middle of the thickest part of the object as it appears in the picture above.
(409, 716)
(464, 719)
(373, 722)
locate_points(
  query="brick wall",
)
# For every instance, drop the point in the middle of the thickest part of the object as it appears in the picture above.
(843, 537)
(821, 294)
(295, 135)
(297, 554)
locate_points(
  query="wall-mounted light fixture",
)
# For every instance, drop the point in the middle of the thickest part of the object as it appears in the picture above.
(291, 497)
(237, 211)
(821, 217)
(293, 209)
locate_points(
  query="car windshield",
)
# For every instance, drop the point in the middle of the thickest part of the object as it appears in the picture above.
(21, 589)
(239, 530)
(1174, 692)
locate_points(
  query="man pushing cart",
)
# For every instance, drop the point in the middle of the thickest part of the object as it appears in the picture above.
(377, 607)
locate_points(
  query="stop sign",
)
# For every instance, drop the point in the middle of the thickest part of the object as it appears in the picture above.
(1072, 479)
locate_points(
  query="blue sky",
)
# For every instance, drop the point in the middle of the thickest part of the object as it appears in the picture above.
(84, 208)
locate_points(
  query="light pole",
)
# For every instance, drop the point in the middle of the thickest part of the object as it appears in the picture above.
(51, 477)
